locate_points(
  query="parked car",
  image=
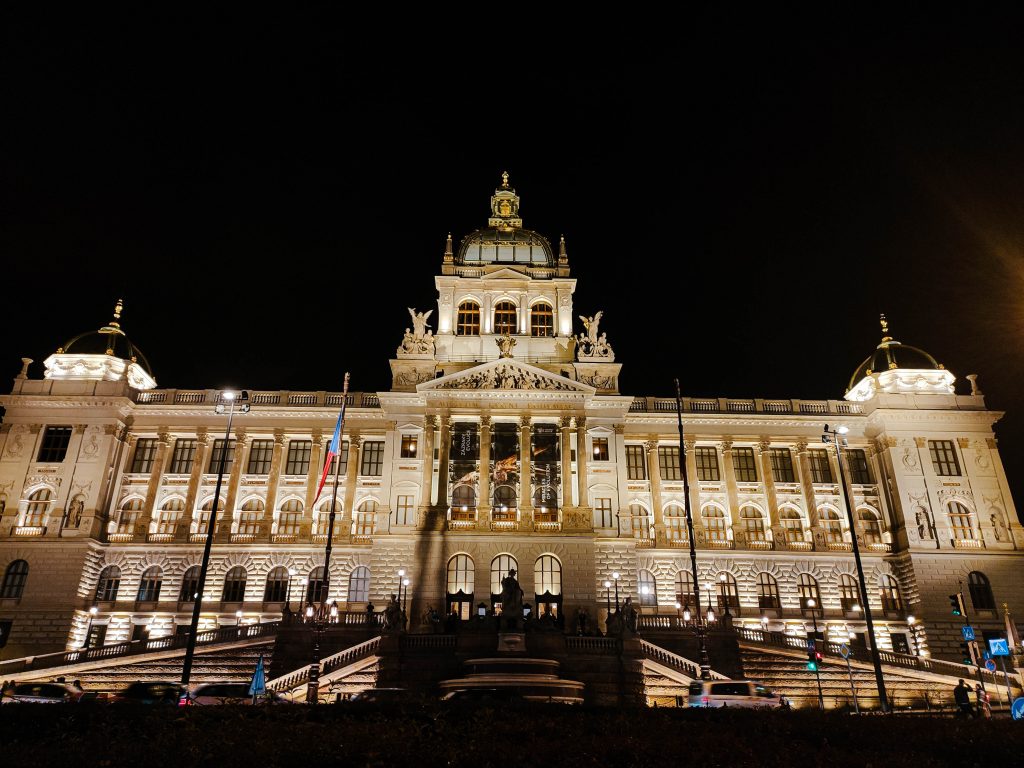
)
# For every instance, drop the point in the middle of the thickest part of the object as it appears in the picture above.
(43, 693)
(733, 693)
(149, 693)
(226, 693)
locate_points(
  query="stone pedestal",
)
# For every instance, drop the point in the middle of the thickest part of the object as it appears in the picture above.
(511, 642)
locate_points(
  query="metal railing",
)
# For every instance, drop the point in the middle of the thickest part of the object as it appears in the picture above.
(137, 647)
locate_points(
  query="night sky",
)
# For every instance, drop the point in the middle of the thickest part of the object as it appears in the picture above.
(741, 198)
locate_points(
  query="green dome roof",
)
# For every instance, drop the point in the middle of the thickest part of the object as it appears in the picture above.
(108, 340)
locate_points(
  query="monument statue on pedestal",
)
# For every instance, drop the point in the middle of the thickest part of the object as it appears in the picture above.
(511, 604)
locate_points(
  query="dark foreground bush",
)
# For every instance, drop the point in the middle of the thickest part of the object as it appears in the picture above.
(550, 736)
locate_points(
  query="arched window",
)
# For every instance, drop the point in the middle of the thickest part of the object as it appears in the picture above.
(648, 587)
(504, 498)
(640, 522)
(767, 592)
(359, 585)
(830, 525)
(685, 594)
(675, 523)
(203, 523)
(129, 513)
(464, 499)
(289, 518)
(276, 590)
(322, 519)
(870, 527)
(714, 523)
(468, 319)
(547, 575)
(500, 566)
(189, 585)
(542, 320)
(234, 585)
(849, 593)
(248, 517)
(728, 593)
(892, 602)
(459, 586)
(149, 585)
(365, 519)
(792, 524)
(505, 318)
(981, 591)
(168, 516)
(14, 580)
(961, 522)
(315, 585)
(108, 584)
(808, 587)
(35, 511)
(753, 523)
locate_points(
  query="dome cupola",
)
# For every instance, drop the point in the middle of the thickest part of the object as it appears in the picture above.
(896, 368)
(503, 240)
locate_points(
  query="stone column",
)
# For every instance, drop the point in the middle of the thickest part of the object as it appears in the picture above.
(343, 527)
(889, 519)
(525, 475)
(241, 459)
(273, 483)
(427, 481)
(566, 500)
(316, 449)
(807, 483)
(690, 444)
(764, 452)
(582, 484)
(442, 472)
(194, 479)
(730, 487)
(524, 313)
(654, 476)
(483, 503)
(143, 521)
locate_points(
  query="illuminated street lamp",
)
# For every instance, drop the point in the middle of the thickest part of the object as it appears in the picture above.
(238, 618)
(88, 627)
(231, 398)
(608, 597)
(837, 436)
(615, 578)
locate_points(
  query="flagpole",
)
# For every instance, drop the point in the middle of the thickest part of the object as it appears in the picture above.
(321, 614)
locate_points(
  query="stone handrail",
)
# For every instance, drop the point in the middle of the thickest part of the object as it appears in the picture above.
(420, 642)
(755, 405)
(340, 659)
(603, 645)
(679, 663)
(319, 399)
(136, 647)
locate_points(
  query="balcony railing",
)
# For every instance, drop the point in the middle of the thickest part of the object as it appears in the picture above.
(966, 544)
(258, 398)
(29, 530)
(756, 405)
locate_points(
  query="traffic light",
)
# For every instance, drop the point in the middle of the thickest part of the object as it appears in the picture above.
(965, 652)
(956, 603)
(969, 652)
(813, 656)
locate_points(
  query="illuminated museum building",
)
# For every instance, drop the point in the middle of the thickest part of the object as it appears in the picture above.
(503, 442)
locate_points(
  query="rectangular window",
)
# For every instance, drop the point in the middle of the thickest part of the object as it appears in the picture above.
(944, 458)
(218, 452)
(821, 467)
(260, 454)
(404, 511)
(603, 513)
(145, 452)
(298, 457)
(600, 449)
(668, 462)
(343, 458)
(743, 465)
(55, 444)
(857, 460)
(707, 464)
(636, 466)
(782, 465)
(183, 456)
(409, 445)
(373, 459)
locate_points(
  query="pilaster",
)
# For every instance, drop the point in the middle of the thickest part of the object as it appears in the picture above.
(273, 483)
(483, 504)
(582, 482)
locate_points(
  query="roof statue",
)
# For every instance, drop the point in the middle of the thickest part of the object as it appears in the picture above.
(419, 342)
(590, 346)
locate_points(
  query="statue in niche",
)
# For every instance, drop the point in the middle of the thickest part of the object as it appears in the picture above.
(511, 603)
(75, 509)
(924, 524)
(999, 527)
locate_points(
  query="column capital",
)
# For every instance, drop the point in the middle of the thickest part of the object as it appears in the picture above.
(279, 437)
(620, 429)
(651, 445)
(430, 421)
(565, 422)
(800, 447)
(485, 421)
(689, 443)
(241, 438)
(524, 422)
(726, 445)
(921, 442)
(581, 423)
(763, 446)
(317, 435)
(202, 436)
(79, 429)
(356, 439)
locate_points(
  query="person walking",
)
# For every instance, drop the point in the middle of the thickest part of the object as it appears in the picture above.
(984, 707)
(962, 697)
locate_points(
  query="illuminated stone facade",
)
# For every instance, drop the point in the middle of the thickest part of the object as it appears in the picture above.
(503, 441)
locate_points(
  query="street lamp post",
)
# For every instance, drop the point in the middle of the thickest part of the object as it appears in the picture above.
(835, 436)
(608, 597)
(238, 618)
(401, 577)
(615, 578)
(702, 646)
(405, 600)
(88, 627)
(190, 647)
(812, 604)
(291, 575)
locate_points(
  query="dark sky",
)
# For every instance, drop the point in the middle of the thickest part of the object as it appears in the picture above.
(741, 197)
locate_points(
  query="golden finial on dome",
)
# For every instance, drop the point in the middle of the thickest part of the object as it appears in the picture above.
(504, 179)
(885, 324)
(118, 309)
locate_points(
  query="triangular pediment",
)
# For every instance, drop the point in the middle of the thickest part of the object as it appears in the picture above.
(505, 374)
(506, 273)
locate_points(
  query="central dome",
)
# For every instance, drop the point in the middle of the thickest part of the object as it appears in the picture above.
(503, 240)
(896, 368)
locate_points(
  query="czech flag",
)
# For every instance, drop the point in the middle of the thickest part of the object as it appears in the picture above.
(334, 449)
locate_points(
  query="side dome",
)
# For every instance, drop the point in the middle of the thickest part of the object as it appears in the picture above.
(105, 354)
(503, 240)
(896, 368)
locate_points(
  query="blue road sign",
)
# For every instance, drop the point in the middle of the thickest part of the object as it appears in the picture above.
(844, 651)
(967, 632)
(999, 646)
(1017, 708)
(990, 665)
(986, 655)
